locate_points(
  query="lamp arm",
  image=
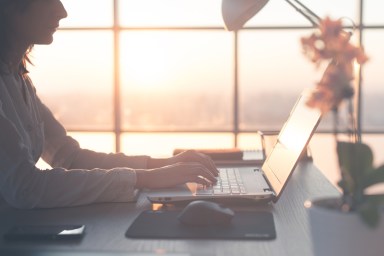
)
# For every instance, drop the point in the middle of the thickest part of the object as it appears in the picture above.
(305, 11)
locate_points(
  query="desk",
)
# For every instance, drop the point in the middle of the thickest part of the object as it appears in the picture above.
(106, 225)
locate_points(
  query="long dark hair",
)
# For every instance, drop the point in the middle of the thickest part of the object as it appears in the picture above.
(4, 27)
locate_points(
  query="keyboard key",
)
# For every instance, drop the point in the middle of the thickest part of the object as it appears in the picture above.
(228, 182)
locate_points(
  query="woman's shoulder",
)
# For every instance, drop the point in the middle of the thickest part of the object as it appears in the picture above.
(29, 83)
(3, 67)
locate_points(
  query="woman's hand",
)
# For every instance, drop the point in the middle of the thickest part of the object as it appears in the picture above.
(189, 156)
(188, 166)
(175, 174)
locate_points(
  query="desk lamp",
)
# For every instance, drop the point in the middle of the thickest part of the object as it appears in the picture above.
(237, 12)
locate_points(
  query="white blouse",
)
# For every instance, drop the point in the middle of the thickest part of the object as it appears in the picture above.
(78, 176)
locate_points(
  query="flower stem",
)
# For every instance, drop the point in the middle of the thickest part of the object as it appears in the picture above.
(335, 122)
(353, 129)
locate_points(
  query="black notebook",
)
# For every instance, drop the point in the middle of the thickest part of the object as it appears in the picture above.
(236, 156)
(231, 156)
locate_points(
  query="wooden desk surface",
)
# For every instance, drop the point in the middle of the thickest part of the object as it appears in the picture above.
(106, 225)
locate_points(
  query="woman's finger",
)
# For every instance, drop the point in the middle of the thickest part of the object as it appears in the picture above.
(195, 156)
(200, 180)
(196, 169)
(209, 163)
(176, 174)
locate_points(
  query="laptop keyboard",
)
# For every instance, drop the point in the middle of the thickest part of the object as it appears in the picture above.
(228, 182)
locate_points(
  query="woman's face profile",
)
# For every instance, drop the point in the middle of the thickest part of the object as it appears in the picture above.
(36, 23)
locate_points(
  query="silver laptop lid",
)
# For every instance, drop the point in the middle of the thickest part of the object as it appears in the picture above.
(292, 140)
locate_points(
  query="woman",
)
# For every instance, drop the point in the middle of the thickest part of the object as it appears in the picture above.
(30, 131)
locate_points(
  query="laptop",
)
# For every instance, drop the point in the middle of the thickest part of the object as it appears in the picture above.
(262, 183)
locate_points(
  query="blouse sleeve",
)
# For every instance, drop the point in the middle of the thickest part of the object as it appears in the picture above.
(62, 150)
(24, 186)
(78, 176)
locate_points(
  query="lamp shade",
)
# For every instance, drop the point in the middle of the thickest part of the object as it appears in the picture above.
(237, 12)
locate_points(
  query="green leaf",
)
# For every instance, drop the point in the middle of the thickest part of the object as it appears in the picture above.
(355, 160)
(374, 177)
(369, 210)
(370, 215)
(375, 199)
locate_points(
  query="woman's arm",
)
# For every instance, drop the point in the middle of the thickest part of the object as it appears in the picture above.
(24, 186)
(61, 150)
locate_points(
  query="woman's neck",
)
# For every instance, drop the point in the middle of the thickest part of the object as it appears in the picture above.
(12, 59)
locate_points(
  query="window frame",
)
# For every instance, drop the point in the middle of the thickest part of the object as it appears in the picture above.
(235, 131)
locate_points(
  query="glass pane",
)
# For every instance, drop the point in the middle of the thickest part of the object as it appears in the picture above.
(99, 142)
(281, 13)
(373, 12)
(373, 90)
(272, 73)
(177, 80)
(74, 77)
(96, 141)
(88, 13)
(249, 141)
(155, 13)
(163, 144)
(41, 164)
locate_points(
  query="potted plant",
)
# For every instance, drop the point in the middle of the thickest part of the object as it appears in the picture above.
(352, 224)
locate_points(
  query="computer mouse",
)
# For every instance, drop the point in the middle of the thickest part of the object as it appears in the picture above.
(202, 213)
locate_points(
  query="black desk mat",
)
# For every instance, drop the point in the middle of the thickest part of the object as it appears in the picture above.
(252, 225)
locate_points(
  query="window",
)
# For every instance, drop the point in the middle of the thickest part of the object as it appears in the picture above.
(146, 76)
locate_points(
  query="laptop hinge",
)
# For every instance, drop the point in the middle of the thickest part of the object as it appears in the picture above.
(269, 189)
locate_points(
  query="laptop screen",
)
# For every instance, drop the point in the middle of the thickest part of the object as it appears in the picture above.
(292, 140)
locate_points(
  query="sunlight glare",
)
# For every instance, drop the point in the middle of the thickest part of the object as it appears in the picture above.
(149, 66)
(293, 139)
(154, 13)
(88, 13)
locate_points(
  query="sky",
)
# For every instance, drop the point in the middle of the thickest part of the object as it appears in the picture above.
(158, 61)
(200, 61)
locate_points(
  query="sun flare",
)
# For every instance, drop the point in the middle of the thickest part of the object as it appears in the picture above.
(144, 64)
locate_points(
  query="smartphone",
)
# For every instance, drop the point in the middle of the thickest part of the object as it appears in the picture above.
(45, 232)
